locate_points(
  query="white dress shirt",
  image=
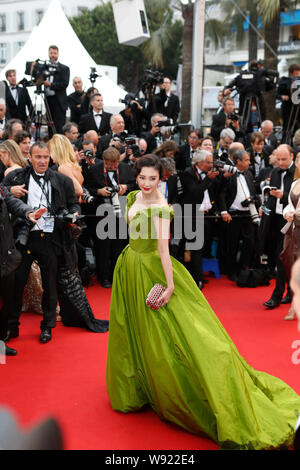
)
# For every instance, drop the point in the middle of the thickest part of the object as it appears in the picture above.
(242, 193)
(206, 204)
(97, 118)
(37, 198)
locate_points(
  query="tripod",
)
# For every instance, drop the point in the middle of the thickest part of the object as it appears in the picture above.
(293, 119)
(37, 116)
(249, 102)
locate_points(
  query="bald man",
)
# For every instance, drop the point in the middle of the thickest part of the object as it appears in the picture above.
(281, 178)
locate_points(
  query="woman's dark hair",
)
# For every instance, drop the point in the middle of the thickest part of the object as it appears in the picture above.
(20, 136)
(150, 161)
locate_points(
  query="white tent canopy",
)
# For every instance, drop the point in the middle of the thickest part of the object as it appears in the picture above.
(55, 28)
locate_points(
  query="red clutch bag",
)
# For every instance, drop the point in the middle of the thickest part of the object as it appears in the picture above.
(153, 296)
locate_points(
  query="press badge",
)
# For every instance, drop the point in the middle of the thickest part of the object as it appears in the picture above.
(48, 225)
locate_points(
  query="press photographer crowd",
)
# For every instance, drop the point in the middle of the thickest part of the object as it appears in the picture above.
(240, 175)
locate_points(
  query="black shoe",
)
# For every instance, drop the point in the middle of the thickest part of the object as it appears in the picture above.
(12, 333)
(271, 303)
(205, 281)
(10, 351)
(232, 277)
(45, 335)
(287, 299)
(106, 283)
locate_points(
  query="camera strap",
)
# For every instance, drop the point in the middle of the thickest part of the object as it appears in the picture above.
(106, 176)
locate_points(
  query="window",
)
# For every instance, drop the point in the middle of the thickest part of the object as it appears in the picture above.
(3, 53)
(38, 16)
(20, 21)
(2, 23)
(18, 46)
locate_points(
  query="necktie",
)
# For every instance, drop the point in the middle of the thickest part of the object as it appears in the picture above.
(1, 121)
(98, 114)
(13, 88)
(238, 173)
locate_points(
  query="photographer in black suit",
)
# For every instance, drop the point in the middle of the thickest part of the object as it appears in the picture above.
(55, 90)
(96, 120)
(200, 186)
(108, 180)
(236, 199)
(166, 102)
(18, 101)
(75, 100)
(281, 178)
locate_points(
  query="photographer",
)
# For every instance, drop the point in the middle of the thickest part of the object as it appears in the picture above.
(200, 185)
(75, 100)
(109, 180)
(167, 103)
(153, 137)
(284, 94)
(250, 85)
(55, 90)
(227, 137)
(133, 114)
(236, 202)
(219, 119)
(70, 130)
(116, 134)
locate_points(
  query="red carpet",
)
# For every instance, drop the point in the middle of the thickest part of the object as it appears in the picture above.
(66, 377)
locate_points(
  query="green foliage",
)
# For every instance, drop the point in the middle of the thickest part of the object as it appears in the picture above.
(97, 32)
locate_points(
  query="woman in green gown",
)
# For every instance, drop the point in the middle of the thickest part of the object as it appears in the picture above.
(179, 359)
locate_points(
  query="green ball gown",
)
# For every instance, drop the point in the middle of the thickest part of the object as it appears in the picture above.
(181, 361)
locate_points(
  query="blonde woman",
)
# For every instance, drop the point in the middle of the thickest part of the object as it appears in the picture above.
(11, 156)
(291, 244)
(63, 154)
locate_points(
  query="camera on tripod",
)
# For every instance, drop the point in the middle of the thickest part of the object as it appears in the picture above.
(93, 75)
(40, 71)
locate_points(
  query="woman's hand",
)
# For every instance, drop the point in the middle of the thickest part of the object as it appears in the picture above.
(165, 297)
(289, 216)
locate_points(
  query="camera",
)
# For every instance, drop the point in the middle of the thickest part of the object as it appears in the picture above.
(154, 77)
(248, 201)
(23, 234)
(233, 117)
(113, 190)
(71, 221)
(129, 101)
(39, 70)
(93, 75)
(218, 165)
(120, 137)
(86, 197)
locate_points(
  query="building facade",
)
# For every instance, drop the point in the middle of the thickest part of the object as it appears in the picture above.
(19, 17)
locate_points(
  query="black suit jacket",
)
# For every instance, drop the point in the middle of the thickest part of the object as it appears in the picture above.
(218, 124)
(18, 111)
(150, 139)
(173, 107)
(228, 190)
(60, 85)
(87, 123)
(96, 179)
(275, 180)
(194, 187)
(183, 158)
(75, 99)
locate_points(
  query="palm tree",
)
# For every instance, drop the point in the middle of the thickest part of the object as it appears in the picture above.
(270, 11)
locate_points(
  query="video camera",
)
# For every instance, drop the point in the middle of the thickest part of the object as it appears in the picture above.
(93, 75)
(254, 81)
(39, 70)
(129, 101)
